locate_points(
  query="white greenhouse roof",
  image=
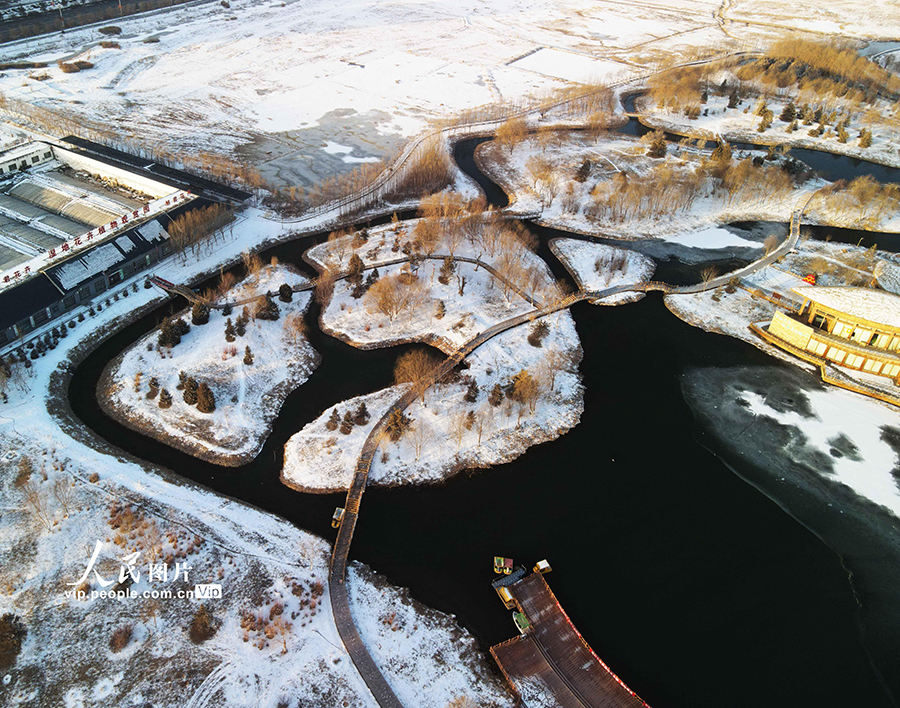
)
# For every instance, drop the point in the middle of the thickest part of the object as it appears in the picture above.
(868, 304)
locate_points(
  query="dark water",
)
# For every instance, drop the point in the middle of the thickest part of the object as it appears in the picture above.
(689, 582)
(832, 167)
(855, 237)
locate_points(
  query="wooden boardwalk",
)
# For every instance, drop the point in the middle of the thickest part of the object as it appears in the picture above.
(195, 297)
(337, 589)
(343, 617)
(552, 656)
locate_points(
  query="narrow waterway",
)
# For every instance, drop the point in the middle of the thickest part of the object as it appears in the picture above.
(693, 585)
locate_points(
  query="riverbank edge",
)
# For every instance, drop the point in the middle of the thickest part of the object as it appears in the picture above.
(655, 121)
(194, 446)
(452, 468)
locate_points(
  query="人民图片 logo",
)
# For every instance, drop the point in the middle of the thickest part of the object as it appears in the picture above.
(123, 584)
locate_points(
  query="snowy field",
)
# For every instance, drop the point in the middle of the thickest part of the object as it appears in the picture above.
(280, 83)
(274, 638)
(276, 82)
(248, 395)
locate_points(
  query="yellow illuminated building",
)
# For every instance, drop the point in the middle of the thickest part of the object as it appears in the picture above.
(855, 329)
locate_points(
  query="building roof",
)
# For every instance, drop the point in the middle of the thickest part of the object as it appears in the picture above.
(87, 265)
(25, 299)
(876, 306)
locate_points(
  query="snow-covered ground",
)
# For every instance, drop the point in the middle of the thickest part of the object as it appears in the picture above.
(864, 19)
(729, 313)
(567, 201)
(257, 558)
(485, 300)
(736, 125)
(409, 641)
(282, 83)
(439, 443)
(596, 266)
(607, 185)
(248, 396)
(240, 78)
(275, 638)
(320, 459)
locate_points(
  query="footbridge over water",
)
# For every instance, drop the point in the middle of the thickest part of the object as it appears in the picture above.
(553, 656)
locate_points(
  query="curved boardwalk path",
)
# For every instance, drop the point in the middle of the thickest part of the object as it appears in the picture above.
(337, 572)
(195, 297)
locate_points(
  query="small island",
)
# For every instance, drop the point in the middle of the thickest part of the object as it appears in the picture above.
(210, 380)
(463, 274)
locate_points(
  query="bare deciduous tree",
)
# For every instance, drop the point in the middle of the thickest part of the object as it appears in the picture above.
(458, 427)
(708, 274)
(512, 132)
(325, 286)
(338, 243)
(252, 262)
(462, 702)
(552, 362)
(525, 390)
(63, 491)
(295, 327)
(421, 432)
(37, 503)
(416, 367)
(392, 295)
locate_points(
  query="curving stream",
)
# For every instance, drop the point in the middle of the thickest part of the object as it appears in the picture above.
(693, 585)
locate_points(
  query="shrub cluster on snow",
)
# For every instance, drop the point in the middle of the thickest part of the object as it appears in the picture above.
(216, 391)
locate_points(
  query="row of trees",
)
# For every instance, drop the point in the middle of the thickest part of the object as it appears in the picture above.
(358, 417)
(828, 66)
(667, 188)
(864, 199)
(821, 73)
(196, 394)
(190, 229)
